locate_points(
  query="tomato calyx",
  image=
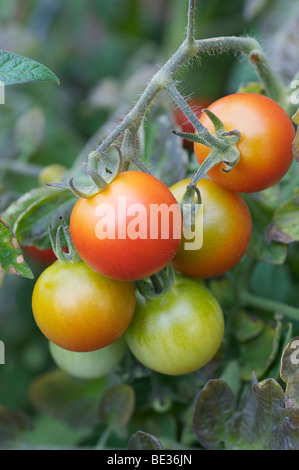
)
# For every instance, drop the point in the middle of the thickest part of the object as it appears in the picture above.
(226, 152)
(66, 253)
(158, 284)
(100, 175)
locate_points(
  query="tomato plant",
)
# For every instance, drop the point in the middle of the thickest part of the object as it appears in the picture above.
(79, 309)
(267, 135)
(178, 333)
(197, 104)
(113, 231)
(92, 364)
(226, 226)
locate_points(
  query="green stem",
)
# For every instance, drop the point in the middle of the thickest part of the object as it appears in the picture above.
(250, 47)
(191, 22)
(252, 300)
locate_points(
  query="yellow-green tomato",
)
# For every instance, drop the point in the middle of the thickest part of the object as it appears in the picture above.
(89, 365)
(180, 331)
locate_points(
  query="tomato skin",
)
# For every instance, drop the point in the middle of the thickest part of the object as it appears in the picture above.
(227, 228)
(80, 310)
(89, 365)
(265, 146)
(123, 257)
(179, 332)
(43, 257)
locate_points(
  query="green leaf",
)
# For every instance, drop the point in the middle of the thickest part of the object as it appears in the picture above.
(296, 141)
(290, 372)
(11, 255)
(247, 326)
(257, 354)
(32, 213)
(144, 441)
(259, 247)
(72, 400)
(286, 221)
(15, 69)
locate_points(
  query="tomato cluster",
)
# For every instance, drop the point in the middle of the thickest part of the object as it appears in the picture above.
(90, 310)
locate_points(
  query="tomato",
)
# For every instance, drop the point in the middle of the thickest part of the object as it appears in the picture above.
(265, 146)
(44, 257)
(117, 232)
(179, 332)
(79, 309)
(197, 104)
(225, 223)
(89, 365)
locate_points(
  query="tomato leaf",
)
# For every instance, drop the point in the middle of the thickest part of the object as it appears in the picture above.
(286, 221)
(31, 214)
(266, 418)
(15, 69)
(11, 255)
(117, 405)
(260, 247)
(144, 441)
(72, 400)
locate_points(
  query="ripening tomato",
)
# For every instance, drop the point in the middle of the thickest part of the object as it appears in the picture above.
(79, 309)
(43, 257)
(180, 331)
(92, 364)
(265, 146)
(130, 230)
(223, 225)
(197, 104)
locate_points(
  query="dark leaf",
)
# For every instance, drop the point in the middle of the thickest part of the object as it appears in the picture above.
(144, 441)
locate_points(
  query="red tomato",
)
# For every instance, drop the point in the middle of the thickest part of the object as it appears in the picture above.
(44, 257)
(265, 146)
(226, 227)
(197, 104)
(116, 233)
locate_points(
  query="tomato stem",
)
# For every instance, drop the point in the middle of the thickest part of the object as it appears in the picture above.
(252, 300)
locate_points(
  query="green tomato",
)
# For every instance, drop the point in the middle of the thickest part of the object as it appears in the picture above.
(179, 332)
(89, 365)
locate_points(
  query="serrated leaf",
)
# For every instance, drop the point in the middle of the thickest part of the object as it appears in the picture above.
(259, 422)
(32, 213)
(16, 69)
(71, 400)
(11, 256)
(144, 441)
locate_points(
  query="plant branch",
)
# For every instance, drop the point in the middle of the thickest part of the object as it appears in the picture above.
(252, 300)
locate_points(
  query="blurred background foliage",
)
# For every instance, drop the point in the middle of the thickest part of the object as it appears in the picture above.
(104, 52)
